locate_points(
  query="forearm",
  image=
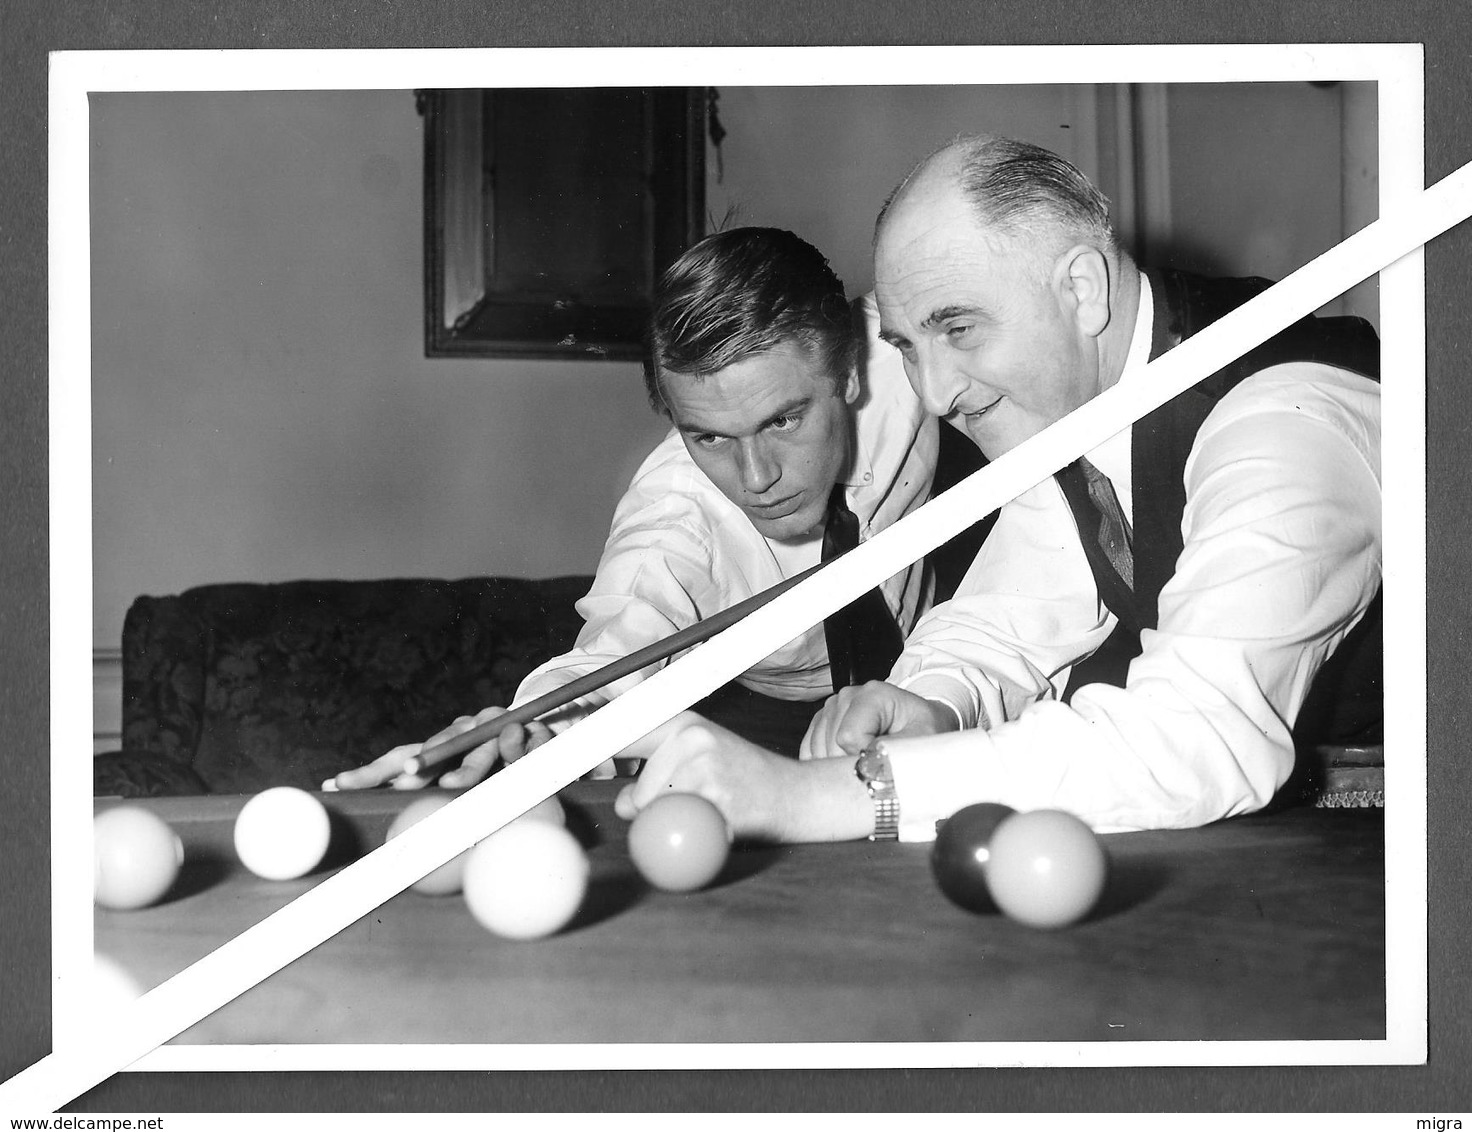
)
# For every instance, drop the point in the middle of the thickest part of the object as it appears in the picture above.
(1118, 759)
(618, 623)
(824, 801)
(562, 671)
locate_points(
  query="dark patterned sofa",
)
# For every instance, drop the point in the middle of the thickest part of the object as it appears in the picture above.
(234, 688)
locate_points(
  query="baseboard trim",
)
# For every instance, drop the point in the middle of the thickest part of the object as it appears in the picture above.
(107, 700)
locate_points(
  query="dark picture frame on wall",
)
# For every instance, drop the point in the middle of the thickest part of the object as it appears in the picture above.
(552, 251)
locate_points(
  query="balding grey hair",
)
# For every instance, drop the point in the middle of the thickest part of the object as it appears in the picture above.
(1022, 191)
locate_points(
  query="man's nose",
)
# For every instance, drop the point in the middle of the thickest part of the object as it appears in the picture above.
(755, 465)
(936, 381)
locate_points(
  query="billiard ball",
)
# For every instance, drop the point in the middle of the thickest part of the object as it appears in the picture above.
(135, 857)
(679, 842)
(445, 880)
(1046, 868)
(282, 833)
(527, 880)
(548, 809)
(449, 878)
(959, 856)
(110, 987)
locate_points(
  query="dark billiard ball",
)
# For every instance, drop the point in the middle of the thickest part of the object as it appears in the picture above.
(959, 856)
(1047, 868)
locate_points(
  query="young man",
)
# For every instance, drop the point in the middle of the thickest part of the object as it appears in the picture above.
(779, 393)
(1138, 636)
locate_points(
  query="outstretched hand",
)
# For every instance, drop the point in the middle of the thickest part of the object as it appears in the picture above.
(512, 743)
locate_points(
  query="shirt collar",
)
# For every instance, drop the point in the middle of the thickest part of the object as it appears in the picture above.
(860, 470)
(1113, 456)
(862, 462)
(860, 473)
(1139, 354)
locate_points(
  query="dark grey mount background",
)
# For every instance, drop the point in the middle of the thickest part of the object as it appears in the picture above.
(31, 28)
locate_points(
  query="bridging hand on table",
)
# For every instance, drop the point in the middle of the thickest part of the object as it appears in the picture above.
(854, 717)
(513, 742)
(763, 795)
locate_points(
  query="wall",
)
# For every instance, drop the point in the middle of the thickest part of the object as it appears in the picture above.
(1265, 176)
(262, 408)
(821, 160)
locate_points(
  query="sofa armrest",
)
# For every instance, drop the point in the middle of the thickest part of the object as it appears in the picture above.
(139, 774)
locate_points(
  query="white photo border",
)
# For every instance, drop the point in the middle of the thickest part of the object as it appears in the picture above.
(1396, 69)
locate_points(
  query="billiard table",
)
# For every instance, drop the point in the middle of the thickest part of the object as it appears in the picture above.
(1266, 927)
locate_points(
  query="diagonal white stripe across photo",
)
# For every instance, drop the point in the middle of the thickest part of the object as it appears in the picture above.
(343, 898)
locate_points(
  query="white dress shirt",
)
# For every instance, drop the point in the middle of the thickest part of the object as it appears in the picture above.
(1282, 556)
(680, 551)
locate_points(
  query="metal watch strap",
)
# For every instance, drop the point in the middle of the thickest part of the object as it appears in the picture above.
(873, 770)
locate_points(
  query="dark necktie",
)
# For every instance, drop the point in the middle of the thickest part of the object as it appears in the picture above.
(1107, 539)
(863, 639)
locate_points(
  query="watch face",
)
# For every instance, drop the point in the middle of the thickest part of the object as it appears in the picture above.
(873, 767)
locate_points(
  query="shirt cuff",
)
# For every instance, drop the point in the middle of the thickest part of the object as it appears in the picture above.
(935, 775)
(951, 689)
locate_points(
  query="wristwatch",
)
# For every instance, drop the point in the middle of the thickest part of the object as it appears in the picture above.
(874, 772)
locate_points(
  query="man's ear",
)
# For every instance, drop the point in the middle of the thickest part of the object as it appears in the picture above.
(851, 387)
(1081, 280)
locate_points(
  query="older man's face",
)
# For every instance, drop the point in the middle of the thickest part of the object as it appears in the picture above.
(989, 331)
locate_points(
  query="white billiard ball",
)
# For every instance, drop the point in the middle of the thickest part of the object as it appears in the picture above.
(526, 880)
(135, 857)
(282, 833)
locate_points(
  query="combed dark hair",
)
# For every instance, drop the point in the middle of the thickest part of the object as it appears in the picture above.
(1024, 191)
(742, 292)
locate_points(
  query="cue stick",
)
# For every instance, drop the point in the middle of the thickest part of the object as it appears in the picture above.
(590, 682)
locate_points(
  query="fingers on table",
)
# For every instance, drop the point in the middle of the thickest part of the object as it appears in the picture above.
(385, 768)
(675, 759)
(474, 767)
(645, 747)
(514, 741)
(389, 768)
(624, 805)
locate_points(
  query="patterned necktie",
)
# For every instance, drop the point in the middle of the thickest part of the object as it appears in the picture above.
(863, 639)
(1107, 538)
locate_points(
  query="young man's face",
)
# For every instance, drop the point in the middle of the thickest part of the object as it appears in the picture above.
(991, 333)
(772, 432)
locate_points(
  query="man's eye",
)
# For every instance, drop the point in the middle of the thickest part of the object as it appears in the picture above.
(784, 424)
(959, 332)
(706, 440)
